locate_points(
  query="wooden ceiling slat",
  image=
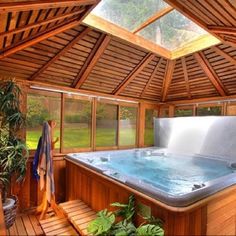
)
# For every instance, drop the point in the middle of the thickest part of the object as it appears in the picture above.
(167, 79)
(37, 24)
(225, 55)
(152, 77)
(13, 22)
(39, 38)
(98, 51)
(59, 54)
(205, 65)
(145, 61)
(185, 71)
(42, 4)
(231, 30)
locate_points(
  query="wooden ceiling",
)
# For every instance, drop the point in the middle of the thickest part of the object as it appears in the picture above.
(216, 16)
(91, 60)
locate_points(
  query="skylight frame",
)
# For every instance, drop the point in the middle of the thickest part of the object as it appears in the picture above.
(201, 42)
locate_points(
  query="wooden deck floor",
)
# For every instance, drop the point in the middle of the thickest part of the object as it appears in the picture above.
(26, 224)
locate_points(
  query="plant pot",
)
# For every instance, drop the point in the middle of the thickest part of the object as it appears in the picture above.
(9, 210)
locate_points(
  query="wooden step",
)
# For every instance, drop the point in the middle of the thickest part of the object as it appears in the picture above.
(79, 214)
(57, 226)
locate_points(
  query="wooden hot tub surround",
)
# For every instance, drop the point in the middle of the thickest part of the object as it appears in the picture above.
(214, 215)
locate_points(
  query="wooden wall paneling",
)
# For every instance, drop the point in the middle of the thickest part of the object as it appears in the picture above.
(167, 79)
(2, 219)
(93, 62)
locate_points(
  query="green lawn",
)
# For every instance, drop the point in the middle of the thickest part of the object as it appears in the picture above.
(80, 137)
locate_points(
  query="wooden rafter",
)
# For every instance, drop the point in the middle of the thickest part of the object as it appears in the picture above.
(43, 4)
(110, 28)
(88, 60)
(146, 60)
(213, 77)
(224, 54)
(93, 61)
(39, 38)
(186, 76)
(152, 76)
(59, 54)
(231, 30)
(153, 18)
(40, 23)
(168, 78)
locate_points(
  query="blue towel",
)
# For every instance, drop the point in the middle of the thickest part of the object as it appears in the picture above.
(36, 160)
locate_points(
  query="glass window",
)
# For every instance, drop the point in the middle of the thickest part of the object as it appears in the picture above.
(172, 31)
(77, 123)
(149, 125)
(106, 124)
(41, 107)
(183, 111)
(209, 111)
(128, 124)
(128, 14)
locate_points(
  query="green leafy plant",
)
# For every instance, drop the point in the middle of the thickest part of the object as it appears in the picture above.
(107, 224)
(102, 224)
(126, 211)
(13, 150)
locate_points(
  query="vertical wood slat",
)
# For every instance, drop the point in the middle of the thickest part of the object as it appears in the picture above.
(168, 78)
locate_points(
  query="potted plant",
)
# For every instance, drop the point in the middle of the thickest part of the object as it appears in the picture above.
(13, 150)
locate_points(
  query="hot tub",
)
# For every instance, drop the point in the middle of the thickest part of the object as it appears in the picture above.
(176, 187)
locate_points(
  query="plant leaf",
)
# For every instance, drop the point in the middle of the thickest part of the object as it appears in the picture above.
(150, 230)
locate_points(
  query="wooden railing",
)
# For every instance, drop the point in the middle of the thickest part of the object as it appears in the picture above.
(2, 220)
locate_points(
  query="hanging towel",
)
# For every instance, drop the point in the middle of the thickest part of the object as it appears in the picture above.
(36, 160)
(45, 166)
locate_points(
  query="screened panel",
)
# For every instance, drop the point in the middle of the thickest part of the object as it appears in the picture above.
(128, 14)
(183, 111)
(77, 123)
(106, 125)
(172, 31)
(128, 125)
(42, 107)
(149, 125)
(209, 111)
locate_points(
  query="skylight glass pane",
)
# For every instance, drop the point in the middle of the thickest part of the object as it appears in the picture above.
(172, 31)
(128, 14)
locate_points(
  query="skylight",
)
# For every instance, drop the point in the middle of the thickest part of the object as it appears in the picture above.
(128, 14)
(172, 31)
(154, 21)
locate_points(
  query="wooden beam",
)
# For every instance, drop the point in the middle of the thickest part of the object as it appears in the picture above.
(168, 78)
(231, 30)
(205, 65)
(88, 60)
(202, 42)
(60, 53)
(186, 76)
(93, 61)
(225, 55)
(153, 18)
(40, 23)
(145, 61)
(110, 28)
(152, 76)
(43, 4)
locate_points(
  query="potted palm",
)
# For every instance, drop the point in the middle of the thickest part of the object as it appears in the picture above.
(13, 150)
